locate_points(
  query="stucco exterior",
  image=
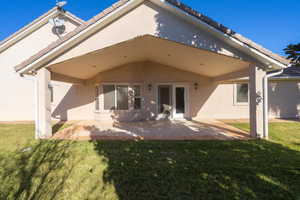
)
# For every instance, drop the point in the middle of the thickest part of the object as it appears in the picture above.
(17, 93)
(210, 99)
(150, 19)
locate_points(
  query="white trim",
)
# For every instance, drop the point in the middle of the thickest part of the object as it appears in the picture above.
(73, 17)
(173, 87)
(36, 25)
(83, 34)
(130, 88)
(186, 101)
(157, 98)
(97, 97)
(136, 97)
(125, 8)
(235, 102)
(266, 102)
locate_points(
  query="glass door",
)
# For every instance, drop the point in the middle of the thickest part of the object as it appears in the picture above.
(179, 102)
(164, 101)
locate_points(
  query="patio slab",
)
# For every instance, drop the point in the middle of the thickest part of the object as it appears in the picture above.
(152, 130)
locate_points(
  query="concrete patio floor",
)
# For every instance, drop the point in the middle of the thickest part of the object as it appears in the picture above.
(152, 130)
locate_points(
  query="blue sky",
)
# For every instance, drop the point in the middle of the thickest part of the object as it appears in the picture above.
(271, 23)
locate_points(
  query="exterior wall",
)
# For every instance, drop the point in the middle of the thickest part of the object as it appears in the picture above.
(72, 102)
(210, 100)
(145, 73)
(17, 94)
(153, 20)
(76, 102)
(284, 99)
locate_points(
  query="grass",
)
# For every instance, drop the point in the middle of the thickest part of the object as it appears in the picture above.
(258, 169)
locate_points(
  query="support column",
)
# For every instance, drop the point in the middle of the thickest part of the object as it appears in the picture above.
(44, 104)
(256, 101)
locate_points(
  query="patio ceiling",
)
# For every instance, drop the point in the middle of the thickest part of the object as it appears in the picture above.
(150, 48)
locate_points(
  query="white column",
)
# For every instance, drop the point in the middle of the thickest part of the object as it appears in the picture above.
(44, 104)
(256, 101)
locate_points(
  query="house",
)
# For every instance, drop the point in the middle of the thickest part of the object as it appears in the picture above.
(139, 60)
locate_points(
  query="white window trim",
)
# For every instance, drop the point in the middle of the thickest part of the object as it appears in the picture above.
(97, 97)
(187, 86)
(130, 89)
(138, 97)
(235, 102)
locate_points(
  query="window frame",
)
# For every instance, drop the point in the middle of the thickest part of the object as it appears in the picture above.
(136, 97)
(116, 97)
(51, 91)
(235, 94)
(130, 97)
(97, 99)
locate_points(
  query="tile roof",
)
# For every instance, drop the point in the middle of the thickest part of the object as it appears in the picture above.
(175, 3)
(290, 72)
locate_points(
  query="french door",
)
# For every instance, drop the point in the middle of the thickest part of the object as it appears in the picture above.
(172, 101)
(180, 102)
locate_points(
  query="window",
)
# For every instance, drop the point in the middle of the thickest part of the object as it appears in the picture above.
(137, 97)
(97, 98)
(115, 97)
(109, 97)
(51, 93)
(242, 93)
(122, 97)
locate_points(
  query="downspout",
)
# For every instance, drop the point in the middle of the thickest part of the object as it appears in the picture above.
(266, 101)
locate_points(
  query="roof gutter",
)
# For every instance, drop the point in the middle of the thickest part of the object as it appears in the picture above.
(266, 101)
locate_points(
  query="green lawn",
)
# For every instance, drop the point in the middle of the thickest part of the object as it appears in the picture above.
(183, 170)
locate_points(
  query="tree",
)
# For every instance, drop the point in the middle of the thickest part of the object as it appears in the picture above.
(293, 52)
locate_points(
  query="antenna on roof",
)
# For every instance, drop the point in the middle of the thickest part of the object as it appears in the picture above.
(61, 4)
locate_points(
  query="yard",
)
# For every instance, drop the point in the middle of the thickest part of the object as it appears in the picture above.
(125, 170)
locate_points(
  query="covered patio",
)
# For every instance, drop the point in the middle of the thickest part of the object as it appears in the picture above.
(151, 62)
(152, 130)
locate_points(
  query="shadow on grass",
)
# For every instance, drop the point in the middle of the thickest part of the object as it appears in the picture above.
(200, 169)
(38, 172)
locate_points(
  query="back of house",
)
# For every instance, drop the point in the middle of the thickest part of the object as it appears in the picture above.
(137, 60)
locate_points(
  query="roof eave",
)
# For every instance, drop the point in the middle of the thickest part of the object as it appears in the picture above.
(268, 60)
(110, 16)
(272, 63)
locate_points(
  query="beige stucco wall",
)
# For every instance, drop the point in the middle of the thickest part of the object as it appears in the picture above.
(72, 102)
(146, 73)
(149, 18)
(210, 100)
(17, 94)
(284, 99)
(76, 102)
